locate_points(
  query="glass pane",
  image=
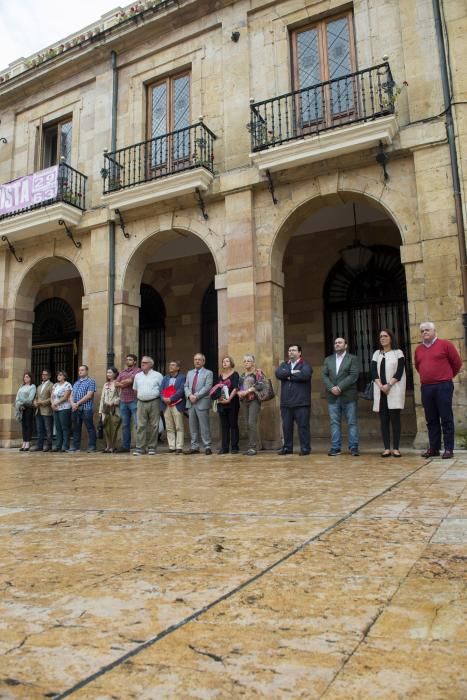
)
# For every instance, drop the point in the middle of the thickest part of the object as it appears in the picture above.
(339, 64)
(159, 124)
(181, 117)
(309, 73)
(50, 147)
(65, 140)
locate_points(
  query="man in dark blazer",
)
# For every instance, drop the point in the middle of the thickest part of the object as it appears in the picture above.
(295, 378)
(340, 375)
(198, 402)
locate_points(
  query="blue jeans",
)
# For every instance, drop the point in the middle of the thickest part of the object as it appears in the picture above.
(62, 428)
(44, 426)
(336, 410)
(78, 418)
(127, 412)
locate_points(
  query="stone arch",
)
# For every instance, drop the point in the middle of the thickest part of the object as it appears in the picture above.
(310, 205)
(132, 271)
(30, 282)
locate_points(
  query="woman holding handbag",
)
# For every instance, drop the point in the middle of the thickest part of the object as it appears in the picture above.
(25, 409)
(228, 406)
(109, 410)
(389, 378)
(250, 382)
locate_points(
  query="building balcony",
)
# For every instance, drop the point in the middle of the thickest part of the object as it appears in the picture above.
(33, 205)
(327, 120)
(167, 166)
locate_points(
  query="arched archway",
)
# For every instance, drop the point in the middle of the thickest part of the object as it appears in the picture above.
(166, 278)
(321, 298)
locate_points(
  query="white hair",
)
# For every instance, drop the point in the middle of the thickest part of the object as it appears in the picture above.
(430, 325)
(249, 357)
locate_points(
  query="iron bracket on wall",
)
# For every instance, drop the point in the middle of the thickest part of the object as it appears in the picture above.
(122, 223)
(12, 249)
(2, 138)
(271, 187)
(201, 204)
(69, 233)
(382, 159)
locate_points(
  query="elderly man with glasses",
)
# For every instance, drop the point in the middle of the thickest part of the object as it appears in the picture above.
(437, 362)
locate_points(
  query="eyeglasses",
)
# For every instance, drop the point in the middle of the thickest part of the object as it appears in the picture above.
(145, 362)
(425, 330)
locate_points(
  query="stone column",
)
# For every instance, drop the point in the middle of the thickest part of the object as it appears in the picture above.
(126, 317)
(16, 358)
(270, 344)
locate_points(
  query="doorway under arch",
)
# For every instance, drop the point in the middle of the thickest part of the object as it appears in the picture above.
(152, 326)
(357, 304)
(55, 338)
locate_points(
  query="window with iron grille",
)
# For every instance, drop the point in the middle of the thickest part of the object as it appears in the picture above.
(357, 305)
(169, 115)
(324, 51)
(54, 339)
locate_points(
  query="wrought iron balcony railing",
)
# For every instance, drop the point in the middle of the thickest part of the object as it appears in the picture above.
(175, 152)
(59, 183)
(361, 96)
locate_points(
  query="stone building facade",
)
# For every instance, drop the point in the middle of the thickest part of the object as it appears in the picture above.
(211, 164)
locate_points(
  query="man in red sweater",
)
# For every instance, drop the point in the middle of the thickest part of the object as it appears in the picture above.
(437, 362)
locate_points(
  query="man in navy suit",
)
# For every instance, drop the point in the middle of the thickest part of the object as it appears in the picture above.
(340, 376)
(198, 402)
(295, 378)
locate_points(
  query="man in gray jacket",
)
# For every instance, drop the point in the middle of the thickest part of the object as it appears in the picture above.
(198, 402)
(340, 375)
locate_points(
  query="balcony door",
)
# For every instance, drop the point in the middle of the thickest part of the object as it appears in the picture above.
(322, 54)
(56, 140)
(168, 119)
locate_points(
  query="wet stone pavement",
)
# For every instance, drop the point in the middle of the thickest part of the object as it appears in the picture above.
(232, 577)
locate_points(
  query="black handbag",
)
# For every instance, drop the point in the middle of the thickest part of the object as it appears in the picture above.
(368, 393)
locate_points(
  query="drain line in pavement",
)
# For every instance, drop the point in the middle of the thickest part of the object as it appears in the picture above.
(198, 613)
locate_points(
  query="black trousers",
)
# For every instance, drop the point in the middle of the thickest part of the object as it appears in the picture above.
(228, 417)
(389, 417)
(27, 423)
(437, 402)
(301, 416)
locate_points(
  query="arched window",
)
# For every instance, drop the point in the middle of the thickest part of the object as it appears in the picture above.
(54, 338)
(358, 304)
(209, 342)
(152, 326)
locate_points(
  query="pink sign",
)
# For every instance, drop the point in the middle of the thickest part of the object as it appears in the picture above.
(28, 191)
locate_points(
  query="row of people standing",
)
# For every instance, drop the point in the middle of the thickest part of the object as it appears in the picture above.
(437, 362)
(139, 394)
(136, 397)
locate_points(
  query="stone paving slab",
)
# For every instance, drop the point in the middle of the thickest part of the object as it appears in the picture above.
(232, 577)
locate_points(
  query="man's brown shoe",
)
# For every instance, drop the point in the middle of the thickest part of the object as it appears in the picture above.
(430, 453)
(191, 451)
(448, 454)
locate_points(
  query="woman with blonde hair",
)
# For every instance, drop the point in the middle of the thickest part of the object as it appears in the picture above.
(250, 381)
(109, 410)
